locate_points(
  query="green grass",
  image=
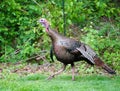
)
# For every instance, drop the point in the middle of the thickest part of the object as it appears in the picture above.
(38, 82)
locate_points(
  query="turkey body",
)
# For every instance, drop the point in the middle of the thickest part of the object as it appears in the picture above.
(65, 49)
(68, 51)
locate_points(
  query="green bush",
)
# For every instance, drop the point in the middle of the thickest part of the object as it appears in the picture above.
(105, 42)
(19, 30)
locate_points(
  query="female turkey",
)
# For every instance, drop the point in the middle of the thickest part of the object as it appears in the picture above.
(68, 51)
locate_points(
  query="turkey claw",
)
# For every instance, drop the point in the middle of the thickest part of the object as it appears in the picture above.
(50, 77)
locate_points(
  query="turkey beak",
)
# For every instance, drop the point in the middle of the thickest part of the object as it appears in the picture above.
(42, 23)
(39, 21)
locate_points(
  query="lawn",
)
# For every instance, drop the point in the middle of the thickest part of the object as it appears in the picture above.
(31, 77)
(38, 82)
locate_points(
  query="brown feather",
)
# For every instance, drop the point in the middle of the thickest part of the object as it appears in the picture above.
(100, 63)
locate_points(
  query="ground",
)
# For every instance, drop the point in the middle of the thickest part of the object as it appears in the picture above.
(32, 77)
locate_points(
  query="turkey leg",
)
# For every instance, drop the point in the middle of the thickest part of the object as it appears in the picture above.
(60, 71)
(73, 71)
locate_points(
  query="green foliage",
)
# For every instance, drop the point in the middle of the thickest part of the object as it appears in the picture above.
(19, 29)
(105, 42)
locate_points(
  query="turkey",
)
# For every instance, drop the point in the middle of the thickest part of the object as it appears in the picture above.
(68, 51)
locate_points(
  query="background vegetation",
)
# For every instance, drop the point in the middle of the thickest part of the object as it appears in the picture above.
(95, 22)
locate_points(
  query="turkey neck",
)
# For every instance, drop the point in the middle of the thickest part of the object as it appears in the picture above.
(55, 36)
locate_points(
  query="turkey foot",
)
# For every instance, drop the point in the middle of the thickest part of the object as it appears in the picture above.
(50, 77)
(60, 71)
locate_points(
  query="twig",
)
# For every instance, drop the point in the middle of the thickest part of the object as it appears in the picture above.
(17, 51)
(34, 57)
(36, 2)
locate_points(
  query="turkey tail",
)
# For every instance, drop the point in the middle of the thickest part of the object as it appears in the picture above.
(108, 69)
(100, 63)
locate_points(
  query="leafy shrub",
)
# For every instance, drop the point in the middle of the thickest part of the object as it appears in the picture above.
(20, 32)
(106, 45)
